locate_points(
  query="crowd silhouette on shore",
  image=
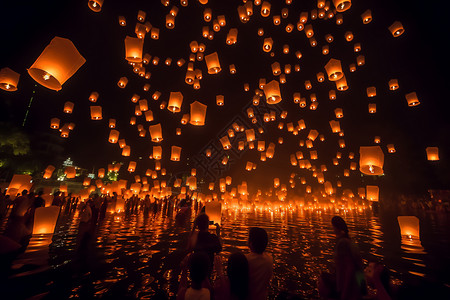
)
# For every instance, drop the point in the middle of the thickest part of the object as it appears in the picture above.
(205, 274)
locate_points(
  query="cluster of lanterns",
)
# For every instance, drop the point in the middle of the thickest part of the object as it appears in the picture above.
(60, 60)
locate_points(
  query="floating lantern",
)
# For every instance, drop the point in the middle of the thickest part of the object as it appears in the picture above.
(95, 5)
(214, 211)
(334, 70)
(112, 123)
(68, 107)
(432, 153)
(9, 80)
(409, 226)
(412, 99)
(126, 151)
(225, 142)
(96, 112)
(267, 45)
(49, 171)
(133, 49)
(56, 64)
(45, 219)
(175, 101)
(122, 83)
(272, 92)
(101, 173)
(341, 84)
(372, 193)
(371, 91)
(342, 5)
(113, 136)
(396, 29)
(175, 153)
(70, 172)
(156, 133)
(391, 148)
(265, 9)
(366, 16)
(212, 63)
(372, 108)
(393, 84)
(157, 152)
(132, 166)
(348, 36)
(93, 97)
(197, 114)
(371, 160)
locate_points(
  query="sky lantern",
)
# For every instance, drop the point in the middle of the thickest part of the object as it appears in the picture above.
(225, 142)
(390, 148)
(70, 172)
(412, 99)
(432, 153)
(335, 126)
(342, 5)
(272, 92)
(348, 36)
(360, 60)
(113, 136)
(393, 84)
(341, 84)
(220, 100)
(157, 152)
(265, 9)
(96, 112)
(207, 14)
(126, 151)
(409, 226)
(396, 29)
(208, 152)
(133, 49)
(267, 45)
(357, 47)
(45, 219)
(68, 107)
(122, 83)
(49, 171)
(232, 36)
(197, 114)
(366, 16)
(93, 97)
(334, 70)
(214, 211)
(101, 173)
(56, 64)
(95, 5)
(9, 80)
(175, 153)
(372, 193)
(372, 108)
(112, 123)
(156, 133)
(175, 101)
(132, 166)
(154, 33)
(371, 91)
(313, 134)
(122, 21)
(276, 20)
(371, 160)
(212, 63)
(170, 21)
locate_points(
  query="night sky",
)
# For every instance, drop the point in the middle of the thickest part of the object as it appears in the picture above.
(418, 59)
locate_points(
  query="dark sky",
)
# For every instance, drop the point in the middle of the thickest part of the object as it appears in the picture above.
(418, 59)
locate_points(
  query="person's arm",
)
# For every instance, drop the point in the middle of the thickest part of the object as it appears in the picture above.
(182, 287)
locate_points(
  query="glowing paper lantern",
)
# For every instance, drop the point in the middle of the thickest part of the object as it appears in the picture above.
(334, 70)
(122, 83)
(393, 84)
(197, 114)
(432, 153)
(267, 45)
(132, 166)
(342, 5)
(272, 92)
(412, 99)
(93, 97)
(48, 171)
(95, 5)
(70, 172)
(214, 212)
(56, 64)
(366, 16)
(9, 80)
(396, 29)
(19, 183)
(156, 133)
(265, 8)
(175, 153)
(157, 152)
(133, 49)
(175, 101)
(96, 112)
(409, 226)
(212, 63)
(113, 136)
(45, 219)
(371, 160)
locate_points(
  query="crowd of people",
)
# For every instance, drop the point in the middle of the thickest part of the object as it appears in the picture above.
(204, 274)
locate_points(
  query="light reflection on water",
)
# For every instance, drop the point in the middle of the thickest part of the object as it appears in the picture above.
(136, 255)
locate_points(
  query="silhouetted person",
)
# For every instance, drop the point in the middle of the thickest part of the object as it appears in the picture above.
(234, 285)
(39, 201)
(260, 264)
(348, 280)
(202, 240)
(198, 272)
(57, 199)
